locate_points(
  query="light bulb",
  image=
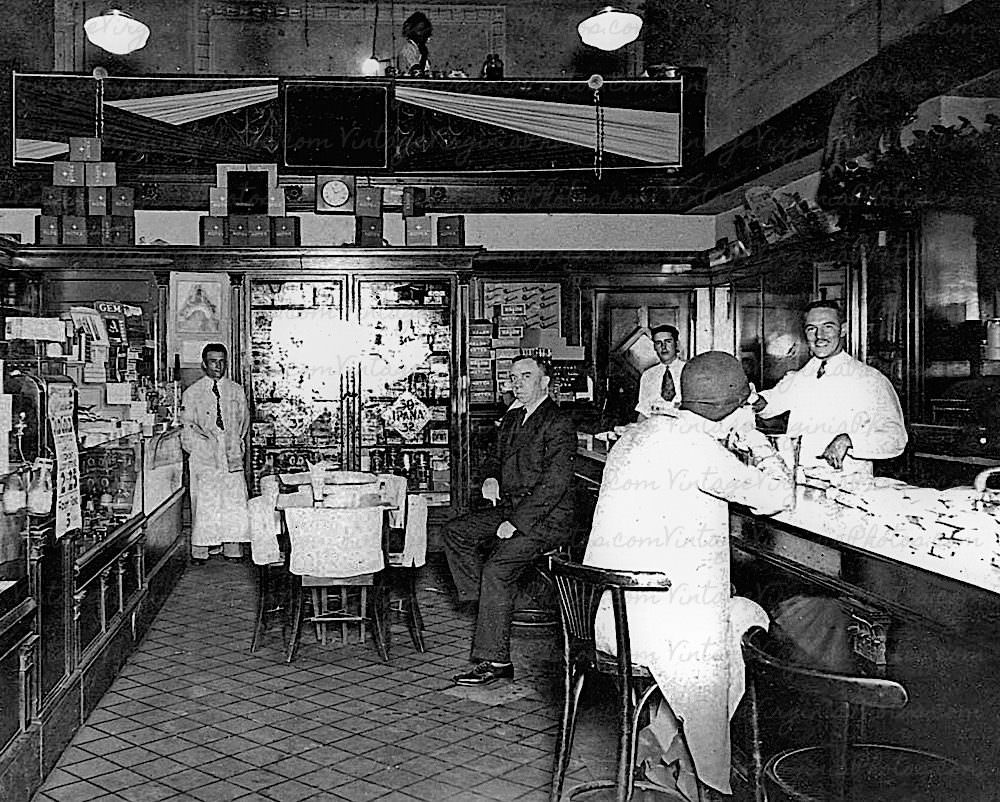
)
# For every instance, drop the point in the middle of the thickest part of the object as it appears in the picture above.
(371, 67)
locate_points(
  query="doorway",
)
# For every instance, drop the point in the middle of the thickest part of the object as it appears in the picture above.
(624, 320)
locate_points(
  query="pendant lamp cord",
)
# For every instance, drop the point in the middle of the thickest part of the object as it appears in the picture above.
(99, 110)
(375, 29)
(599, 142)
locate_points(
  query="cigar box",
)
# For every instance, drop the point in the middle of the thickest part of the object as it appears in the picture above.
(122, 201)
(368, 202)
(117, 230)
(68, 174)
(258, 230)
(238, 233)
(451, 231)
(97, 200)
(84, 149)
(218, 204)
(101, 174)
(368, 231)
(418, 231)
(286, 232)
(52, 201)
(213, 231)
(47, 229)
(74, 230)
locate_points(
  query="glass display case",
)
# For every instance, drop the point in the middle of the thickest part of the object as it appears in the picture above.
(406, 383)
(297, 375)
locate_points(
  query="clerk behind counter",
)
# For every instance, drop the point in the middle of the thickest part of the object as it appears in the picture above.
(846, 412)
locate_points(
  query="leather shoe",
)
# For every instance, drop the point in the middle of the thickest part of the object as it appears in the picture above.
(198, 561)
(485, 673)
(234, 559)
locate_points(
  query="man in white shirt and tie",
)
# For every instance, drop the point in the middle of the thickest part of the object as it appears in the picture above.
(216, 419)
(846, 412)
(660, 385)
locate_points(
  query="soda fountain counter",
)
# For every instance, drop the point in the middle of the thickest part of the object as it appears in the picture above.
(917, 573)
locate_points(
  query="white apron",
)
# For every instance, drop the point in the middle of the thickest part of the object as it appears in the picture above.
(218, 503)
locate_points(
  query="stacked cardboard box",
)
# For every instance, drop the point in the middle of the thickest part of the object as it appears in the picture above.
(481, 389)
(84, 205)
(226, 226)
(508, 327)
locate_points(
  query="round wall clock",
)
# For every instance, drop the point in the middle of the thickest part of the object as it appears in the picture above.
(335, 194)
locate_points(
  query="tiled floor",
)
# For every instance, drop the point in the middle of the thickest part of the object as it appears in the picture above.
(195, 716)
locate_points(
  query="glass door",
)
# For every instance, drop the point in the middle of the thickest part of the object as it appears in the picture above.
(300, 375)
(406, 383)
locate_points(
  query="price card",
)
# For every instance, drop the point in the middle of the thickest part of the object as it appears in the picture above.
(408, 415)
(67, 501)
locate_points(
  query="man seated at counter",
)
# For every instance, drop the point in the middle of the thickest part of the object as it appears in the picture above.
(537, 446)
(660, 385)
(663, 507)
(846, 412)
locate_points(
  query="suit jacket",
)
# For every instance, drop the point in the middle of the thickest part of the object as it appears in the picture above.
(535, 472)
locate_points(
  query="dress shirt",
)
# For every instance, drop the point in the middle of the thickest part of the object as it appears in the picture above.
(650, 383)
(199, 411)
(849, 397)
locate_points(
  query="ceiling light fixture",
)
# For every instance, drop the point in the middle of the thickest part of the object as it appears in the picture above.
(610, 28)
(116, 32)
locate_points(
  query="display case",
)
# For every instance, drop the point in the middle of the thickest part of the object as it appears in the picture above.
(298, 375)
(106, 552)
(406, 381)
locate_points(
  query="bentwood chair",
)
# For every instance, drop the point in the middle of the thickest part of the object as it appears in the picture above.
(580, 589)
(407, 553)
(842, 769)
(341, 547)
(268, 559)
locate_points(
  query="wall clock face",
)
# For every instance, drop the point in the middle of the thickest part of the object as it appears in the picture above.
(335, 194)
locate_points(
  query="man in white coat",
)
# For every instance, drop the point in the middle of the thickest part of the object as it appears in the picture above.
(846, 412)
(663, 507)
(215, 418)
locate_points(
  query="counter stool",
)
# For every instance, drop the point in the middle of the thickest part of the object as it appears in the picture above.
(842, 770)
(580, 589)
(541, 581)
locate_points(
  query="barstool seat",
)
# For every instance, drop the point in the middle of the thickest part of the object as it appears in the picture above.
(842, 769)
(544, 609)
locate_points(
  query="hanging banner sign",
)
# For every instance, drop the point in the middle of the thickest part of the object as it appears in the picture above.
(408, 415)
(67, 490)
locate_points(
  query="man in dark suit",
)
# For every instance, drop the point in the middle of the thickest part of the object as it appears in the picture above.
(537, 446)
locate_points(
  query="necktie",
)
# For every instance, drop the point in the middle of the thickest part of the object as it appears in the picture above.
(218, 406)
(667, 389)
(822, 369)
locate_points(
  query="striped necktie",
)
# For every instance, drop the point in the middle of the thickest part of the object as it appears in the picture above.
(218, 406)
(822, 369)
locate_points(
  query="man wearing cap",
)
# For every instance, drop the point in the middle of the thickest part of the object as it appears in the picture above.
(846, 412)
(660, 385)
(663, 507)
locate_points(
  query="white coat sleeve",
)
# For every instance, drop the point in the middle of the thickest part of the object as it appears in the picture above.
(878, 431)
(766, 490)
(780, 397)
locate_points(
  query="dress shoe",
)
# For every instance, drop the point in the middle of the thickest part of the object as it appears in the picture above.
(198, 561)
(234, 559)
(485, 673)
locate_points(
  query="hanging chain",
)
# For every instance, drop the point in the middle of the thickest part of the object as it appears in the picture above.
(99, 108)
(599, 141)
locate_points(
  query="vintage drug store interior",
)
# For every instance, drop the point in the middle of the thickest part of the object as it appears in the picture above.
(499, 400)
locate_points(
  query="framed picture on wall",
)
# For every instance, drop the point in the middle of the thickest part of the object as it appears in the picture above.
(199, 314)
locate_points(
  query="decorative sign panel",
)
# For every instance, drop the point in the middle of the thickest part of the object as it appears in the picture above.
(408, 415)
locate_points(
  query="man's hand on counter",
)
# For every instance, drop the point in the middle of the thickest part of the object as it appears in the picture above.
(835, 452)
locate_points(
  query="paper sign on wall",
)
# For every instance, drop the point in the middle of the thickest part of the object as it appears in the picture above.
(67, 502)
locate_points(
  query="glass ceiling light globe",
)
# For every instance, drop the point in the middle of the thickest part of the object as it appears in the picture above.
(610, 28)
(116, 32)
(371, 67)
